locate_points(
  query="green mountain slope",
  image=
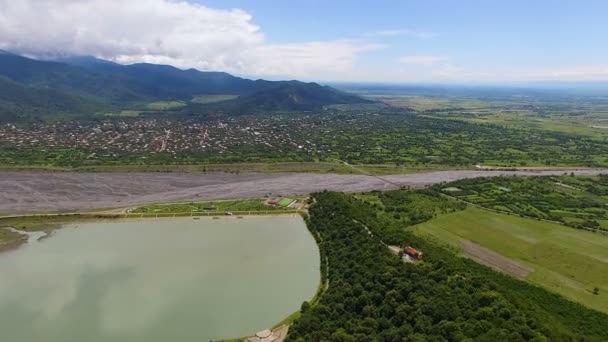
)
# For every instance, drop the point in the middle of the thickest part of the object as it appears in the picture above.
(72, 79)
(84, 84)
(294, 95)
(19, 102)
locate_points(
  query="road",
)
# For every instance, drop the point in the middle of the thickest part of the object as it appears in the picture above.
(26, 192)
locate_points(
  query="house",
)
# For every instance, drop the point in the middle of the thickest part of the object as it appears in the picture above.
(412, 252)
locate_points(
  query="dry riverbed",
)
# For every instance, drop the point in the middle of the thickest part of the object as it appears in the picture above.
(27, 192)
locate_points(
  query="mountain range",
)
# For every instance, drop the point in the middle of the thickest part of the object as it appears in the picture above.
(87, 85)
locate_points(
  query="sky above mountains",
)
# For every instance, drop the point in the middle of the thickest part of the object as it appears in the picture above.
(445, 41)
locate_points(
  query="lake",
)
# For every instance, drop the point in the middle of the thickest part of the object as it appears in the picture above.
(157, 280)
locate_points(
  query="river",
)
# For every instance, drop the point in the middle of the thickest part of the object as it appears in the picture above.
(26, 192)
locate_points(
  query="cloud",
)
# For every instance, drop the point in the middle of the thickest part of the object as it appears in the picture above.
(452, 73)
(401, 32)
(302, 60)
(421, 59)
(180, 33)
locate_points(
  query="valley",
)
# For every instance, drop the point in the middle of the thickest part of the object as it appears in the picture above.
(303, 171)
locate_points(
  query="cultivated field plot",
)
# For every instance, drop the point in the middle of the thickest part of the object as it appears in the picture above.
(574, 201)
(568, 261)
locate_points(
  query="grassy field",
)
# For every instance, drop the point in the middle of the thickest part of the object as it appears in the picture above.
(165, 105)
(204, 99)
(422, 103)
(568, 261)
(284, 202)
(210, 206)
(126, 113)
(588, 126)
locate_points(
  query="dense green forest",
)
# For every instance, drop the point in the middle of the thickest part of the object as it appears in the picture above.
(574, 201)
(84, 85)
(374, 296)
(19, 103)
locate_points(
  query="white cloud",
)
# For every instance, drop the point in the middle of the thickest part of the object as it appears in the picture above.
(421, 59)
(402, 32)
(452, 73)
(308, 59)
(173, 32)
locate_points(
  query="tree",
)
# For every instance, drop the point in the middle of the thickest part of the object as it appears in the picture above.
(305, 306)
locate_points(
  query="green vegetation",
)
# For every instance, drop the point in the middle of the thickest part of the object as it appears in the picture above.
(373, 295)
(566, 261)
(165, 105)
(209, 206)
(284, 202)
(565, 113)
(19, 102)
(407, 208)
(388, 143)
(211, 98)
(575, 201)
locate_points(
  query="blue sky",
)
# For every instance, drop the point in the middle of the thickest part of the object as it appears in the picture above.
(480, 36)
(446, 41)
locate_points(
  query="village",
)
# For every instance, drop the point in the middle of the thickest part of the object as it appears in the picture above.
(149, 136)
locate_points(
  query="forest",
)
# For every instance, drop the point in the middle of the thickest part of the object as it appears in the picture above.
(373, 296)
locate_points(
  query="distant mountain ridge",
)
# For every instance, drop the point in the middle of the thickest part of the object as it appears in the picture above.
(86, 84)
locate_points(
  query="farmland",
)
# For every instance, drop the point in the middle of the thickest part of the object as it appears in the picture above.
(575, 201)
(567, 261)
(578, 115)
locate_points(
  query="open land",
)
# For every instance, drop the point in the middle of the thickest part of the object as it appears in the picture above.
(578, 115)
(568, 261)
(22, 192)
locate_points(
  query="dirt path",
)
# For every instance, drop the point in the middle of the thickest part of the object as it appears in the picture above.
(24, 192)
(494, 260)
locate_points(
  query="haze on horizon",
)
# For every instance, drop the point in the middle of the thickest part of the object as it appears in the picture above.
(381, 41)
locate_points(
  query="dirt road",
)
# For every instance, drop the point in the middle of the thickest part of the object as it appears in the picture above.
(494, 260)
(24, 192)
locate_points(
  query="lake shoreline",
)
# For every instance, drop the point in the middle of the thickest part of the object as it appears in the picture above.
(48, 230)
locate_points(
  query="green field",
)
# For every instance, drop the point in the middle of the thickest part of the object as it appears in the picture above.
(209, 98)
(212, 206)
(284, 202)
(165, 105)
(568, 261)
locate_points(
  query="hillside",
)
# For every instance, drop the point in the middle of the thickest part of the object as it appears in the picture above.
(294, 95)
(81, 84)
(70, 79)
(165, 81)
(20, 102)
